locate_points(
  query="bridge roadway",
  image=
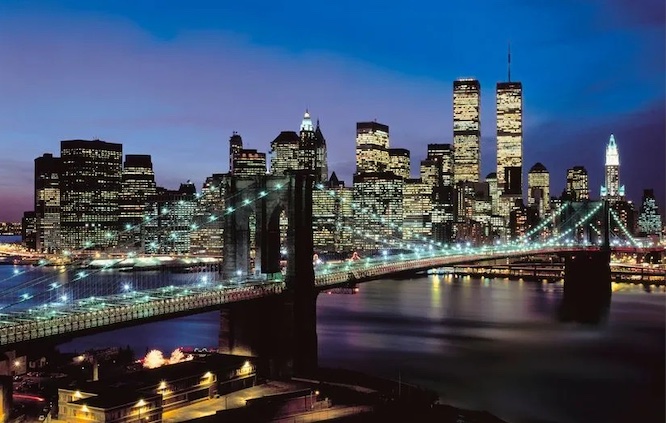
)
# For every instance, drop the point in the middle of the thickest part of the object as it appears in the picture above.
(97, 314)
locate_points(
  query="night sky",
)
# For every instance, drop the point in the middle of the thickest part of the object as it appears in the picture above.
(174, 79)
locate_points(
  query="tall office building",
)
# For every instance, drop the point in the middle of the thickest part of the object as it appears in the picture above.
(307, 149)
(90, 186)
(321, 155)
(538, 189)
(437, 172)
(417, 208)
(47, 203)
(235, 146)
(509, 130)
(332, 217)
(649, 219)
(137, 191)
(578, 186)
(399, 162)
(285, 152)
(466, 130)
(173, 212)
(378, 209)
(612, 190)
(491, 179)
(249, 163)
(372, 145)
(208, 216)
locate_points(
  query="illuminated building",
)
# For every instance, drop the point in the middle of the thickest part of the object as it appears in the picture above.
(47, 203)
(235, 146)
(90, 186)
(137, 191)
(538, 189)
(578, 187)
(399, 162)
(521, 219)
(208, 237)
(491, 179)
(626, 213)
(284, 152)
(172, 220)
(372, 145)
(29, 230)
(332, 216)
(321, 160)
(307, 150)
(249, 163)
(612, 191)
(437, 172)
(649, 219)
(417, 208)
(466, 130)
(509, 134)
(378, 209)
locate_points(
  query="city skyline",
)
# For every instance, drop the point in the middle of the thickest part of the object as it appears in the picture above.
(146, 83)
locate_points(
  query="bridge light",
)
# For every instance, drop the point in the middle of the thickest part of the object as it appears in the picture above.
(126, 287)
(246, 201)
(63, 298)
(128, 227)
(16, 271)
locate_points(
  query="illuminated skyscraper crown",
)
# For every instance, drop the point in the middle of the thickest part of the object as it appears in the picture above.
(306, 124)
(612, 155)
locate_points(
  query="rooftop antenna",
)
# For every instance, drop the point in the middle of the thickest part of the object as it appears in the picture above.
(509, 63)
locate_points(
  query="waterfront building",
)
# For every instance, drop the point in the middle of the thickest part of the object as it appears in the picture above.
(649, 219)
(47, 203)
(378, 209)
(172, 220)
(137, 191)
(372, 145)
(538, 189)
(208, 216)
(90, 186)
(417, 208)
(612, 190)
(332, 217)
(29, 230)
(466, 130)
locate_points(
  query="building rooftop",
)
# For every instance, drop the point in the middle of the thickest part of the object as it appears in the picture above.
(112, 398)
(538, 167)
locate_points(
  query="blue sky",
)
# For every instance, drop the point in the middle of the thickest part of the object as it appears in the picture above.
(174, 79)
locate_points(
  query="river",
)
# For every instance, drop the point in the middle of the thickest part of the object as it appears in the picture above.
(486, 344)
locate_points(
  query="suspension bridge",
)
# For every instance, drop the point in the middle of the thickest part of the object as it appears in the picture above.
(50, 302)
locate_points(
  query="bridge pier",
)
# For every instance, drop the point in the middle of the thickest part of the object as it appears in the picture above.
(587, 286)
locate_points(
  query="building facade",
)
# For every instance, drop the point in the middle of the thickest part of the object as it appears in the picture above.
(91, 182)
(578, 185)
(138, 190)
(399, 162)
(538, 189)
(467, 130)
(284, 152)
(47, 203)
(378, 210)
(372, 147)
(417, 208)
(649, 219)
(612, 190)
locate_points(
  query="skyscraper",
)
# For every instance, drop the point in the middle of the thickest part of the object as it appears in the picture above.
(399, 162)
(173, 218)
(47, 203)
(235, 146)
(248, 163)
(466, 130)
(90, 187)
(612, 190)
(208, 237)
(378, 209)
(417, 209)
(321, 159)
(137, 191)
(509, 144)
(578, 187)
(307, 148)
(538, 189)
(437, 172)
(372, 144)
(284, 152)
(649, 219)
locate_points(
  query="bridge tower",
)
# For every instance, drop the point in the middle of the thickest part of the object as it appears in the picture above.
(587, 280)
(280, 330)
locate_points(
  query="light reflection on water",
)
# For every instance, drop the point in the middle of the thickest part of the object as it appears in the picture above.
(490, 344)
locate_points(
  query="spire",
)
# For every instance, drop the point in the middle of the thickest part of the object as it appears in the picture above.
(306, 124)
(509, 61)
(612, 155)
